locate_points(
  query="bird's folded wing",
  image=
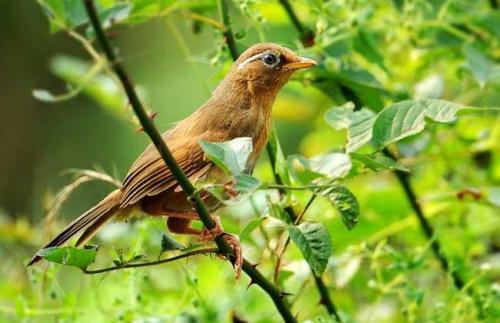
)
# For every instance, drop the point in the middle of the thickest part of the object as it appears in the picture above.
(150, 176)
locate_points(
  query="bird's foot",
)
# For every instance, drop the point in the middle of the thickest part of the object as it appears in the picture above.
(233, 241)
(210, 234)
(235, 244)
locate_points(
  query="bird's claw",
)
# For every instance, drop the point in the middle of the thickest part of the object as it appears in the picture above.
(235, 244)
(210, 234)
(233, 241)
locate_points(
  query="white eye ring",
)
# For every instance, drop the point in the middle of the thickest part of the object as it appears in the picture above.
(261, 57)
(270, 59)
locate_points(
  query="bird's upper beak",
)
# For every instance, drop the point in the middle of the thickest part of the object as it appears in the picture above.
(300, 63)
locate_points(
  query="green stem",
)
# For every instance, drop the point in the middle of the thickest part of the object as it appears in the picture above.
(295, 219)
(152, 263)
(404, 180)
(306, 35)
(228, 33)
(150, 129)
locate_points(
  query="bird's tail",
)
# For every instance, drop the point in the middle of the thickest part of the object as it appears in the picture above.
(89, 221)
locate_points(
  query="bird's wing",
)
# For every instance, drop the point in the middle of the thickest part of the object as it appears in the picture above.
(149, 175)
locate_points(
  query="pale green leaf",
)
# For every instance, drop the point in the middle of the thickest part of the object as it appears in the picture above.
(330, 166)
(230, 156)
(358, 124)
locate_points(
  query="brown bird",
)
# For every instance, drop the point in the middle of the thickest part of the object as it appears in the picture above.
(239, 107)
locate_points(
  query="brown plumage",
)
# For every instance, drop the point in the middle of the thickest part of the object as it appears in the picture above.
(239, 107)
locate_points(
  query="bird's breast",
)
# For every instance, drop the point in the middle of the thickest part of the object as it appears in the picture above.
(253, 124)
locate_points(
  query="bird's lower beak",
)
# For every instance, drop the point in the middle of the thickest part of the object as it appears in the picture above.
(300, 63)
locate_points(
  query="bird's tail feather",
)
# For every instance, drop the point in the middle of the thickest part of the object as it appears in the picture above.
(89, 221)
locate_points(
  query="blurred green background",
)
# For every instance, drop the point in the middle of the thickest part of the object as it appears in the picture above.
(382, 271)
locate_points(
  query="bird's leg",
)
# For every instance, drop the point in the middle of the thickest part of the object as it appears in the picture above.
(180, 222)
(232, 240)
(181, 226)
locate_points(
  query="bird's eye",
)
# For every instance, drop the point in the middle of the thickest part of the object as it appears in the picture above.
(270, 59)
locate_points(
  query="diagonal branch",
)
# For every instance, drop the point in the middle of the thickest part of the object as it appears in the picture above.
(166, 154)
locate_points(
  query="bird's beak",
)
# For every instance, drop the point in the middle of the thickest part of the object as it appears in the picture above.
(300, 63)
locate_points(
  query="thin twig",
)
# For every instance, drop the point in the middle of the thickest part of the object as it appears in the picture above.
(202, 210)
(152, 263)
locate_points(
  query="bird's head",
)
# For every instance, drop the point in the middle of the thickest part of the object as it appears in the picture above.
(266, 67)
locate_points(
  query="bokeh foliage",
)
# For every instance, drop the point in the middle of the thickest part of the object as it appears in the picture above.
(394, 58)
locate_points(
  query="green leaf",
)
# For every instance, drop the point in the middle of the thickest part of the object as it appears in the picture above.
(43, 95)
(65, 13)
(358, 124)
(482, 68)
(407, 118)
(276, 209)
(246, 183)
(69, 256)
(330, 166)
(230, 156)
(110, 16)
(232, 194)
(366, 44)
(249, 228)
(378, 161)
(168, 243)
(280, 165)
(345, 202)
(314, 243)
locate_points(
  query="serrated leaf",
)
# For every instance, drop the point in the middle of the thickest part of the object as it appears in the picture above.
(168, 243)
(345, 202)
(230, 156)
(69, 256)
(378, 161)
(358, 124)
(407, 118)
(313, 241)
(43, 95)
(330, 166)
